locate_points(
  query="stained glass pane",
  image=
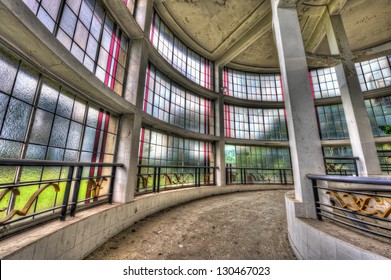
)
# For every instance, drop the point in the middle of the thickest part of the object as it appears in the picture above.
(10, 149)
(16, 120)
(49, 95)
(65, 105)
(26, 84)
(74, 136)
(59, 132)
(68, 21)
(41, 127)
(45, 18)
(8, 68)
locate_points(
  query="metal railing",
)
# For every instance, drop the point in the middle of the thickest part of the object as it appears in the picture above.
(151, 178)
(33, 191)
(365, 209)
(253, 175)
(345, 166)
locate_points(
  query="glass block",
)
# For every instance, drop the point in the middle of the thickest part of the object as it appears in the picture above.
(74, 136)
(16, 120)
(64, 39)
(10, 149)
(89, 139)
(92, 116)
(79, 109)
(36, 152)
(49, 96)
(71, 155)
(92, 47)
(45, 18)
(8, 69)
(32, 4)
(3, 106)
(42, 125)
(51, 7)
(55, 154)
(59, 132)
(85, 14)
(65, 105)
(68, 20)
(74, 5)
(81, 35)
(96, 27)
(77, 52)
(26, 84)
(89, 63)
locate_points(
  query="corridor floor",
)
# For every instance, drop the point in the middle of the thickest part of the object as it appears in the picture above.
(242, 226)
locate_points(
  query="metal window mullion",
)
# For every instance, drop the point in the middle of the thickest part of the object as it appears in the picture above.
(99, 41)
(59, 17)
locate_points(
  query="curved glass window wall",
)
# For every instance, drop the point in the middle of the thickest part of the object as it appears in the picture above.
(253, 86)
(189, 63)
(374, 73)
(170, 102)
(254, 123)
(89, 33)
(324, 83)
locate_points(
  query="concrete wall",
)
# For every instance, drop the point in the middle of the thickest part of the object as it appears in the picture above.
(320, 240)
(76, 237)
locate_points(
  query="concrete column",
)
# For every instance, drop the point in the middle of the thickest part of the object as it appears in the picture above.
(219, 115)
(304, 141)
(135, 80)
(360, 132)
(127, 153)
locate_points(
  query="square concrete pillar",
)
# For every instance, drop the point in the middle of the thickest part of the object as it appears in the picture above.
(304, 140)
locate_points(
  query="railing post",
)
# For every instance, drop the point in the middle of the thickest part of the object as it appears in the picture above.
(154, 179)
(76, 189)
(158, 179)
(316, 198)
(355, 167)
(66, 194)
(199, 176)
(281, 181)
(214, 175)
(244, 176)
(113, 171)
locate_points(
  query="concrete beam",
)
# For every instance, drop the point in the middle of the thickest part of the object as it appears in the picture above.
(260, 28)
(336, 6)
(374, 52)
(285, 3)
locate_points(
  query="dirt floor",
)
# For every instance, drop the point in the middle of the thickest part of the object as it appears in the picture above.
(242, 226)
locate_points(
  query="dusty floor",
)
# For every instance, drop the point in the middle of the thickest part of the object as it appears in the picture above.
(249, 225)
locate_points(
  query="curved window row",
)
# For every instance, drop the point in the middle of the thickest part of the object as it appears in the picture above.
(157, 148)
(189, 63)
(254, 123)
(89, 33)
(170, 102)
(42, 120)
(324, 83)
(257, 156)
(379, 113)
(375, 73)
(252, 86)
(332, 122)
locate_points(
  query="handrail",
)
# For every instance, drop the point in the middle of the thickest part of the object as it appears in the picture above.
(175, 166)
(352, 179)
(28, 162)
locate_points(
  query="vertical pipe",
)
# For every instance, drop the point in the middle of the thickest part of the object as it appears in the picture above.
(76, 189)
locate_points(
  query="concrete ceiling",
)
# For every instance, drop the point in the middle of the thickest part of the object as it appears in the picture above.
(238, 33)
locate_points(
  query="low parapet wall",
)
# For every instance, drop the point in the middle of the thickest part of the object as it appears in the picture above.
(77, 237)
(321, 240)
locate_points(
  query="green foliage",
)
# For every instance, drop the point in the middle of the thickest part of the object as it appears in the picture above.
(386, 129)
